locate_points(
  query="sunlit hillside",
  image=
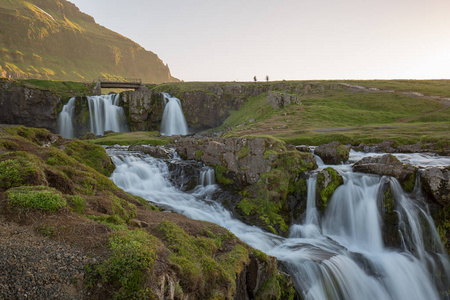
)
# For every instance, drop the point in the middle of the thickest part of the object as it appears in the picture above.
(52, 39)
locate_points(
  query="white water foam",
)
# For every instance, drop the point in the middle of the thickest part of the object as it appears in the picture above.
(173, 121)
(104, 114)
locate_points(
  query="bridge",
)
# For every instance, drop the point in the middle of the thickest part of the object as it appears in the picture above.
(107, 83)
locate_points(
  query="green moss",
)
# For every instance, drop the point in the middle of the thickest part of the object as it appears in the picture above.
(20, 168)
(409, 182)
(388, 201)
(57, 157)
(8, 145)
(220, 172)
(199, 154)
(133, 138)
(343, 152)
(326, 193)
(122, 208)
(133, 254)
(247, 206)
(36, 197)
(202, 269)
(34, 135)
(93, 156)
(112, 221)
(77, 203)
(243, 152)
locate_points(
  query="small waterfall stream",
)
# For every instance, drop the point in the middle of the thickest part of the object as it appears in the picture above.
(104, 114)
(65, 119)
(173, 121)
(339, 255)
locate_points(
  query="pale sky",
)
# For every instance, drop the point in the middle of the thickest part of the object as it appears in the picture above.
(227, 40)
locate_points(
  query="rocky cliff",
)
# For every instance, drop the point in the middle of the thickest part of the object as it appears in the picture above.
(27, 106)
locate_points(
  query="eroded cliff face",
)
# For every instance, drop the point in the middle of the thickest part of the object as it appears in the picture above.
(143, 109)
(27, 106)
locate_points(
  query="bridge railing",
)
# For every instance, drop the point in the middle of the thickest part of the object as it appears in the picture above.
(121, 80)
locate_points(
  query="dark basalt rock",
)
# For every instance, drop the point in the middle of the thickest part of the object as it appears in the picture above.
(333, 153)
(154, 151)
(435, 182)
(388, 165)
(28, 107)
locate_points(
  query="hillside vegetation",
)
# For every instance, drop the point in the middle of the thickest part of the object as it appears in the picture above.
(58, 190)
(53, 40)
(350, 115)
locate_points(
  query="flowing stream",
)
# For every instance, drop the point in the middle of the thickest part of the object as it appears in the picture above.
(337, 255)
(104, 114)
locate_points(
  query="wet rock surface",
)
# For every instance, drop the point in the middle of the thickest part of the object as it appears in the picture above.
(154, 151)
(388, 165)
(435, 182)
(333, 153)
(328, 180)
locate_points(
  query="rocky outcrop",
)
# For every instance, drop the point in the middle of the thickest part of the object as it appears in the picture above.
(154, 151)
(27, 106)
(242, 160)
(388, 165)
(277, 99)
(143, 109)
(435, 182)
(328, 180)
(333, 153)
(388, 208)
(388, 146)
(269, 177)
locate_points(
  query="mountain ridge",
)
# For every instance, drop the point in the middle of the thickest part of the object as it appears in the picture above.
(54, 40)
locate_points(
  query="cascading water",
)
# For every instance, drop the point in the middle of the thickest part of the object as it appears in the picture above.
(340, 255)
(207, 177)
(104, 114)
(65, 119)
(173, 121)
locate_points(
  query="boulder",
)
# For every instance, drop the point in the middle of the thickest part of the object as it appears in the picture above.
(388, 165)
(435, 182)
(154, 151)
(328, 180)
(333, 153)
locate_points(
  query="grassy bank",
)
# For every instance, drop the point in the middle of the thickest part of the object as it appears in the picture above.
(347, 116)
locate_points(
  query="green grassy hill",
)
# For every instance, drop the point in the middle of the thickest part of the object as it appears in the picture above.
(52, 39)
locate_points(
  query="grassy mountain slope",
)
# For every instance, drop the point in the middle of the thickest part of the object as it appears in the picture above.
(51, 39)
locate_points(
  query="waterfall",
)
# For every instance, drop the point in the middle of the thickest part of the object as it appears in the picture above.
(173, 121)
(65, 120)
(104, 114)
(339, 255)
(207, 177)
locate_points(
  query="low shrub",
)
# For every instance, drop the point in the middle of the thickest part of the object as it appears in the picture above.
(36, 197)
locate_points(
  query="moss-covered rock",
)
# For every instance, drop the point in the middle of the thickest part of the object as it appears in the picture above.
(333, 153)
(328, 180)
